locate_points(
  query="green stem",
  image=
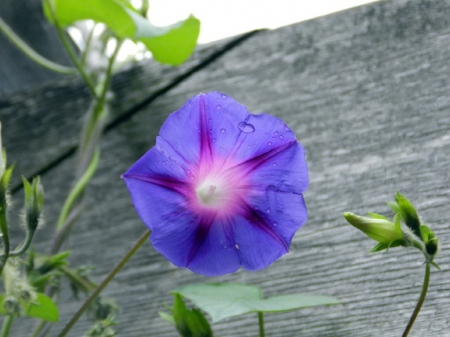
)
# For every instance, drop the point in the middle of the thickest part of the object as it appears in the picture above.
(112, 59)
(39, 328)
(70, 51)
(23, 248)
(426, 282)
(78, 189)
(4, 230)
(27, 50)
(261, 324)
(6, 326)
(104, 283)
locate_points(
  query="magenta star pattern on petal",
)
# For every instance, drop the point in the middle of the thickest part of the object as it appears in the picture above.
(222, 188)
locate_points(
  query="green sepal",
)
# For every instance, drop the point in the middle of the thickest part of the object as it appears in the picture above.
(434, 264)
(167, 317)
(394, 207)
(4, 180)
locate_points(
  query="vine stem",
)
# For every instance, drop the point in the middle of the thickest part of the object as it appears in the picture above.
(27, 50)
(70, 51)
(104, 283)
(6, 325)
(261, 324)
(426, 282)
(4, 230)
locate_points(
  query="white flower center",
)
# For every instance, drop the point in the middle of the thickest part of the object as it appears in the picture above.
(209, 194)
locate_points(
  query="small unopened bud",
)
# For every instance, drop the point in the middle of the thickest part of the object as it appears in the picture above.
(409, 214)
(12, 306)
(34, 202)
(432, 247)
(379, 229)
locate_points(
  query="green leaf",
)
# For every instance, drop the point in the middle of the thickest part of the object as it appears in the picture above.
(189, 322)
(171, 44)
(223, 300)
(43, 308)
(177, 44)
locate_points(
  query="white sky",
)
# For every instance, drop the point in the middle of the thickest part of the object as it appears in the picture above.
(224, 18)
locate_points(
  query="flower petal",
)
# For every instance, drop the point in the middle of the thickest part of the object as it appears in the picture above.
(283, 169)
(259, 245)
(217, 254)
(154, 203)
(284, 212)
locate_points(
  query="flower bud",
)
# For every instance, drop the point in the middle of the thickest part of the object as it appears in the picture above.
(12, 306)
(34, 202)
(408, 214)
(378, 228)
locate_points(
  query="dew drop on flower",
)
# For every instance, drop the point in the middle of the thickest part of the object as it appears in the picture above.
(269, 143)
(219, 107)
(223, 130)
(246, 127)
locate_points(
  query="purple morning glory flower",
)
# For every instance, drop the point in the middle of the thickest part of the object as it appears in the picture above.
(222, 188)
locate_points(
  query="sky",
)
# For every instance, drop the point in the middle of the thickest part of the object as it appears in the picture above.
(224, 18)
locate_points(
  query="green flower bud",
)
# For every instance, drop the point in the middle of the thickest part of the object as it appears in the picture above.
(378, 228)
(408, 214)
(12, 306)
(34, 202)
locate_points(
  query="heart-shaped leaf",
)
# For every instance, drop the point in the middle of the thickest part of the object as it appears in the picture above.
(223, 300)
(171, 44)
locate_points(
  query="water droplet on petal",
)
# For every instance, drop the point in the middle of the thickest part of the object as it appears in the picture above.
(214, 140)
(274, 164)
(209, 120)
(269, 143)
(221, 148)
(276, 133)
(246, 127)
(224, 96)
(286, 128)
(275, 224)
(281, 137)
(237, 247)
(271, 176)
(254, 145)
(267, 210)
(223, 130)
(219, 107)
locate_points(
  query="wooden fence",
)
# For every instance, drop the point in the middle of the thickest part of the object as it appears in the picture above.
(367, 93)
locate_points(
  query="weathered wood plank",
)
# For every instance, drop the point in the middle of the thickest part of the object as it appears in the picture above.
(17, 71)
(366, 91)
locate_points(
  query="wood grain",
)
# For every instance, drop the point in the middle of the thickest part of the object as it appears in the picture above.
(366, 91)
